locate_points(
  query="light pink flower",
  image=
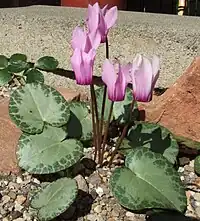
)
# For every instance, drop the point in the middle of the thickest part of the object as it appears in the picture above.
(83, 56)
(115, 82)
(99, 21)
(82, 64)
(144, 75)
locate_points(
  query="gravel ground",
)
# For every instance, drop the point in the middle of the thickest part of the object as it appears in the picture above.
(94, 202)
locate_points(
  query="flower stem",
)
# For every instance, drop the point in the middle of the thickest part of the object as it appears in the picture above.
(103, 102)
(124, 132)
(96, 124)
(106, 133)
(107, 48)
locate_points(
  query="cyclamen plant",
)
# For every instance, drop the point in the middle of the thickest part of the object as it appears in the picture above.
(55, 132)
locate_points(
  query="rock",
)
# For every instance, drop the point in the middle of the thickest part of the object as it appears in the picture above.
(98, 209)
(130, 216)
(19, 180)
(5, 199)
(20, 199)
(18, 219)
(15, 214)
(12, 195)
(18, 207)
(94, 179)
(99, 191)
(82, 184)
(68, 94)
(197, 197)
(9, 135)
(177, 109)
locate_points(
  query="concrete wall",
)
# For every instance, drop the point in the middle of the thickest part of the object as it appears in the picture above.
(45, 30)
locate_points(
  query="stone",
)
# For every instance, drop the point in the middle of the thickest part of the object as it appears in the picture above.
(177, 109)
(18, 207)
(68, 94)
(20, 199)
(99, 191)
(94, 179)
(12, 195)
(19, 180)
(98, 209)
(18, 219)
(5, 199)
(9, 135)
(15, 214)
(82, 184)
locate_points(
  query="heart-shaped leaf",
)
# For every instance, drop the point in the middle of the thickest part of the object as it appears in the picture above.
(34, 75)
(48, 152)
(122, 110)
(47, 63)
(197, 165)
(3, 61)
(55, 198)
(80, 122)
(148, 181)
(35, 104)
(156, 137)
(5, 76)
(17, 63)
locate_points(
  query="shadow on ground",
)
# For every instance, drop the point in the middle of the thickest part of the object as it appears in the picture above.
(171, 216)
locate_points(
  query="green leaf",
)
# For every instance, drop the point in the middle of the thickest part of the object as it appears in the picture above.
(15, 58)
(34, 75)
(5, 76)
(55, 198)
(187, 142)
(148, 181)
(99, 96)
(48, 152)
(121, 110)
(156, 137)
(47, 63)
(17, 63)
(80, 122)
(3, 61)
(197, 165)
(35, 104)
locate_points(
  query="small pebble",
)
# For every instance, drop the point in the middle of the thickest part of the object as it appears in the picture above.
(19, 180)
(98, 209)
(99, 191)
(20, 199)
(5, 199)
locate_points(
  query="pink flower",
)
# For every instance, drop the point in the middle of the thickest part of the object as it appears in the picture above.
(144, 75)
(83, 57)
(99, 21)
(116, 82)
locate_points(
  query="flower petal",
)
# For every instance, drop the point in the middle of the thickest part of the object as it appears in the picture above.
(76, 65)
(78, 38)
(111, 17)
(109, 77)
(93, 17)
(120, 86)
(155, 65)
(126, 69)
(142, 79)
(88, 63)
